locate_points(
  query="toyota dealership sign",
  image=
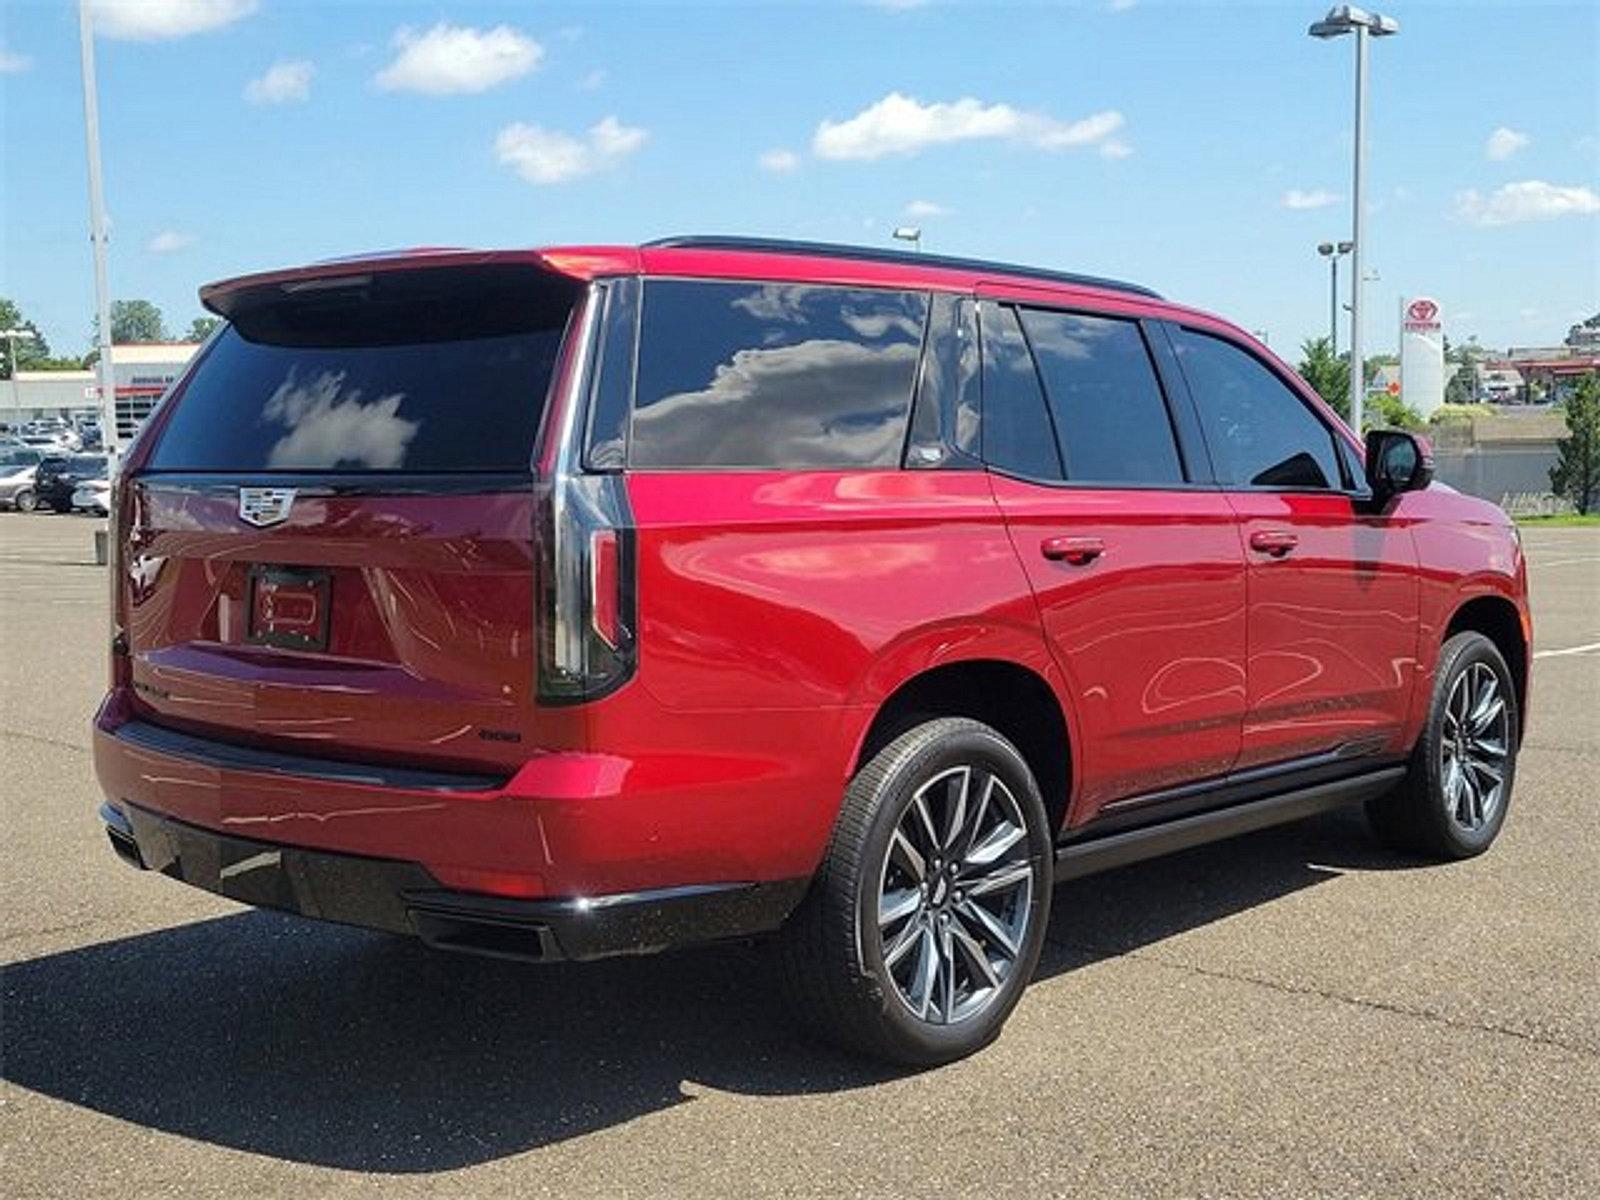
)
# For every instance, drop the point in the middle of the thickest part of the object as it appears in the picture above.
(1421, 354)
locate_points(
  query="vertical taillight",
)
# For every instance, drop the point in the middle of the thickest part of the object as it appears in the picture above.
(587, 639)
(118, 523)
(586, 550)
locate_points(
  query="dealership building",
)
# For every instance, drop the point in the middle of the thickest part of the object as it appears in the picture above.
(142, 374)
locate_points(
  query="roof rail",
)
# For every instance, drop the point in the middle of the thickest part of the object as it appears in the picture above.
(904, 257)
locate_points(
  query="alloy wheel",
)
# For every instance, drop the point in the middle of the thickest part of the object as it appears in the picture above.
(955, 895)
(1474, 747)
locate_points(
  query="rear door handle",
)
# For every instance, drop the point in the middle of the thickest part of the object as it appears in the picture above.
(1074, 550)
(1276, 542)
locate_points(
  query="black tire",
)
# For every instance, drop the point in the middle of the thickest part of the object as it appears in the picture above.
(1417, 816)
(833, 948)
(26, 501)
(60, 507)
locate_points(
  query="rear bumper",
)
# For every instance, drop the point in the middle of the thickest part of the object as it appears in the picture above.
(402, 897)
(563, 824)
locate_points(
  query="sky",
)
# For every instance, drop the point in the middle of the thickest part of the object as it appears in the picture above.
(1203, 149)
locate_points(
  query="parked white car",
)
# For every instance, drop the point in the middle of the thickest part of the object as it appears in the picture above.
(93, 495)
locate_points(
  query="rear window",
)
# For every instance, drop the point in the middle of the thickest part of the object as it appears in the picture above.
(774, 375)
(427, 371)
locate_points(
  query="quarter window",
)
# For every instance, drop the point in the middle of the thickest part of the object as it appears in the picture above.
(774, 375)
(1261, 433)
(1108, 407)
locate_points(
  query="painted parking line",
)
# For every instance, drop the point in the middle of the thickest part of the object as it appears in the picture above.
(1592, 646)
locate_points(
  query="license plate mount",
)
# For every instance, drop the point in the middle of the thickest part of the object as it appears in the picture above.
(290, 607)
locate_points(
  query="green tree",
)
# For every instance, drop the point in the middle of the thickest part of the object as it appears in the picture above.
(1327, 373)
(1462, 387)
(1576, 474)
(136, 321)
(1390, 412)
(201, 328)
(31, 352)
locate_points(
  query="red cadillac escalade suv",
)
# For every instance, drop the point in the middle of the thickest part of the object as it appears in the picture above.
(572, 602)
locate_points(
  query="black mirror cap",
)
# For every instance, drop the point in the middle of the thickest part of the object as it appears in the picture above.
(1398, 461)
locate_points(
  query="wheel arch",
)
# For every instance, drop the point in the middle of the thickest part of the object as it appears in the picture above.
(1015, 700)
(1499, 620)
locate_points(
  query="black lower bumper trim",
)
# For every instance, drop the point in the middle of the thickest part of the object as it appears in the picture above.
(402, 897)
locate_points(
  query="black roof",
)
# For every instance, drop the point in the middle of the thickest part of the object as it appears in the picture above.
(906, 257)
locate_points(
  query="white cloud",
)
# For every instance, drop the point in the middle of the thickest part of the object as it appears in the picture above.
(1300, 199)
(158, 20)
(926, 208)
(284, 83)
(1503, 143)
(900, 124)
(12, 63)
(545, 156)
(1112, 148)
(780, 162)
(169, 241)
(1530, 200)
(457, 59)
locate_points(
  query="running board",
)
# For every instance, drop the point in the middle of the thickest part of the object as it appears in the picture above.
(1076, 859)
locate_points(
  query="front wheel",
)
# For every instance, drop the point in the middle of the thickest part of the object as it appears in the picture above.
(1457, 792)
(927, 916)
(26, 501)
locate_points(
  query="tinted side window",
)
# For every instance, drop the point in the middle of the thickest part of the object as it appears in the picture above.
(774, 375)
(1107, 403)
(1017, 435)
(1260, 432)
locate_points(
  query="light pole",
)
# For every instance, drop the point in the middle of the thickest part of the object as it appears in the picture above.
(1333, 252)
(12, 336)
(910, 233)
(97, 235)
(1343, 19)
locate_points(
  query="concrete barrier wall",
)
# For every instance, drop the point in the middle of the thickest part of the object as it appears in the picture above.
(1493, 471)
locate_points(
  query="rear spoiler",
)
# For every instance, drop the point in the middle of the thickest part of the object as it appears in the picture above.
(228, 297)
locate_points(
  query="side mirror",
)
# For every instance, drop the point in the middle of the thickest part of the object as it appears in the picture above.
(1397, 462)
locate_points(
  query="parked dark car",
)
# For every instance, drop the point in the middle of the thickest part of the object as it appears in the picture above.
(60, 475)
(583, 601)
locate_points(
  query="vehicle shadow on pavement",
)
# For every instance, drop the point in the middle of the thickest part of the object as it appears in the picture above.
(333, 1046)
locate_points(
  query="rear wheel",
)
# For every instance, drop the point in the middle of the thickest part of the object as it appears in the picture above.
(26, 501)
(1454, 799)
(926, 919)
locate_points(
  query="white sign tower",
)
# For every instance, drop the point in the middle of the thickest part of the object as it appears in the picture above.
(1421, 354)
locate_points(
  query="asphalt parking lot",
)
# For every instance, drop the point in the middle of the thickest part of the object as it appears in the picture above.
(1294, 1013)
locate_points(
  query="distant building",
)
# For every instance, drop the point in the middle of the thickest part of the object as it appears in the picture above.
(1549, 373)
(142, 373)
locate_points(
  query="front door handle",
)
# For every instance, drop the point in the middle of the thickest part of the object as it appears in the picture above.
(1074, 550)
(1276, 542)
